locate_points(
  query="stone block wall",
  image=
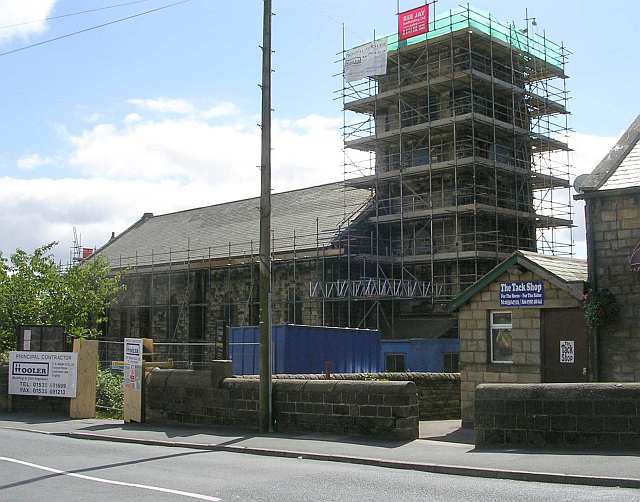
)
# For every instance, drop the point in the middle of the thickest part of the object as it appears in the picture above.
(212, 290)
(30, 404)
(438, 393)
(473, 321)
(375, 408)
(381, 409)
(614, 224)
(4, 387)
(580, 415)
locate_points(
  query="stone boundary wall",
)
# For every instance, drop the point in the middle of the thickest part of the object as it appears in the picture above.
(4, 387)
(587, 415)
(438, 393)
(375, 408)
(31, 404)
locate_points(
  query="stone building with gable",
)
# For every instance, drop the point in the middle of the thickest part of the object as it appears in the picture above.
(612, 212)
(523, 322)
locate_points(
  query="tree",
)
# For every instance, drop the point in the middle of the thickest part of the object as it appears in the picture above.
(35, 290)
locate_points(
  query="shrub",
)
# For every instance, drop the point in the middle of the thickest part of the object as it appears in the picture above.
(109, 396)
(601, 308)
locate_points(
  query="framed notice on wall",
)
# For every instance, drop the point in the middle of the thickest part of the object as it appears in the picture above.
(52, 374)
(133, 349)
(522, 294)
(567, 351)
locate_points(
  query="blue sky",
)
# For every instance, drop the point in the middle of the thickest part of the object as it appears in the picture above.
(158, 113)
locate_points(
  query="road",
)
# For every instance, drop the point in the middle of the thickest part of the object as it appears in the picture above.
(39, 467)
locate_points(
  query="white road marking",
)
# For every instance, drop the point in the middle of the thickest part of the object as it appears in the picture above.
(112, 482)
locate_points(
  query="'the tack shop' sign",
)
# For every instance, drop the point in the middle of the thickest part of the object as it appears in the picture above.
(43, 373)
(522, 294)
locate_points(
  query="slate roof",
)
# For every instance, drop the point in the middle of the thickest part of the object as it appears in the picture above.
(619, 169)
(569, 274)
(567, 269)
(232, 228)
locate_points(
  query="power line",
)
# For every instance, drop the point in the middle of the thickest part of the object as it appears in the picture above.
(60, 16)
(31, 46)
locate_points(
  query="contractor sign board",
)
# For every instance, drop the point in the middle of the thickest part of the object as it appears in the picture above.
(413, 22)
(366, 60)
(43, 373)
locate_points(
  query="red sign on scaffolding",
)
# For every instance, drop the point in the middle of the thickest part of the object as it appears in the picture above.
(413, 22)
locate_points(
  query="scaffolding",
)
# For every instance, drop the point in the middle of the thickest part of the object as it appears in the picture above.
(463, 144)
(461, 152)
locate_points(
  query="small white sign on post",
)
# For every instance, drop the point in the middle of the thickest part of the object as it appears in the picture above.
(567, 351)
(26, 341)
(43, 373)
(133, 349)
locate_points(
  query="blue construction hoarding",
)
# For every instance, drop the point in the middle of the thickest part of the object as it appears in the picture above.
(305, 349)
(422, 354)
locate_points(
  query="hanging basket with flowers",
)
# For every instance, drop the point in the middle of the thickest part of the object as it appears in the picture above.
(601, 308)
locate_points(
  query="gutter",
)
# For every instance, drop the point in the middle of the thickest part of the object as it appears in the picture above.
(597, 193)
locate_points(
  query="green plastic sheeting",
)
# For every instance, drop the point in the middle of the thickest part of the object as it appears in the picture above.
(464, 18)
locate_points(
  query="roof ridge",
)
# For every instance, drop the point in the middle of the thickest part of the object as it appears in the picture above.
(246, 199)
(611, 161)
(525, 252)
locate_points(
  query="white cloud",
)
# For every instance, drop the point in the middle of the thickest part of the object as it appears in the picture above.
(163, 105)
(589, 150)
(224, 109)
(130, 118)
(31, 161)
(306, 151)
(126, 169)
(94, 117)
(17, 17)
(36, 211)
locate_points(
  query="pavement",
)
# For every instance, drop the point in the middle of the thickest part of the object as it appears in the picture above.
(444, 448)
(61, 469)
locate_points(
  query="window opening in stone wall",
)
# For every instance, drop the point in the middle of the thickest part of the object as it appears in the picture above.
(229, 313)
(395, 362)
(197, 328)
(501, 338)
(294, 307)
(124, 323)
(450, 362)
(144, 322)
(254, 314)
(172, 318)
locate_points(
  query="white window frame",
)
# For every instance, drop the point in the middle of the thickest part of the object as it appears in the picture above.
(493, 326)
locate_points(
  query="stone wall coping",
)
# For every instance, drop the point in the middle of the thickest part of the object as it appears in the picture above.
(404, 376)
(558, 391)
(373, 386)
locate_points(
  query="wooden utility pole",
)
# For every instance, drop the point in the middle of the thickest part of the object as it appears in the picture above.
(266, 422)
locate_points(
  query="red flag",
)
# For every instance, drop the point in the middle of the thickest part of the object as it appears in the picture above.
(413, 22)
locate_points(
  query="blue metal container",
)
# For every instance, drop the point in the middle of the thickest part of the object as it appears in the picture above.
(420, 354)
(305, 349)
